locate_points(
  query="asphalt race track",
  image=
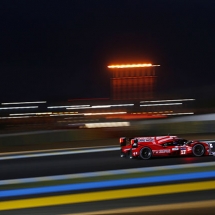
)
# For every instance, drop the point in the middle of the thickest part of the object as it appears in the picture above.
(93, 162)
(78, 163)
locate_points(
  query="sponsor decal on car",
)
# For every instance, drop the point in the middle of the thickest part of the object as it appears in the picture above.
(183, 152)
(146, 139)
(164, 151)
(161, 151)
(175, 149)
(155, 151)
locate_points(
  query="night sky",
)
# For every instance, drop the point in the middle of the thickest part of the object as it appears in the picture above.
(60, 49)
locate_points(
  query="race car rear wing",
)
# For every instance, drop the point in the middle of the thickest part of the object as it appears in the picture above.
(156, 139)
(122, 141)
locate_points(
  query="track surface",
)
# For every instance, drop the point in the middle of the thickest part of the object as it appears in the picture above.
(91, 162)
(78, 163)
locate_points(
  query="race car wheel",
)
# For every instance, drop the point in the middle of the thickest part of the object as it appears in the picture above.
(198, 150)
(124, 154)
(145, 153)
(130, 154)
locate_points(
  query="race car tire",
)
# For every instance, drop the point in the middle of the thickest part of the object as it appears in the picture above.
(125, 155)
(122, 155)
(130, 154)
(145, 153)
(198, 150)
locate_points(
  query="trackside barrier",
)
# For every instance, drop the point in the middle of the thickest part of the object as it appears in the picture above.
(150, 128)
(55, 136)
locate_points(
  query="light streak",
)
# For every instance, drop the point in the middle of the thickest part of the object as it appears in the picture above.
(175, 114)
(67, 114)
(25, 114)
(106, 124)
(151, 105)
(93, 114)
(69, 106)
(13, 103)
(15, 117)
(9, 108)
(77, 108)
(100, 106)
(131, 66)
(121, 105)
(169, 100)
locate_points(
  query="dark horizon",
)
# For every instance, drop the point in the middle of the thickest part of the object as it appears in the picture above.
(61, 49)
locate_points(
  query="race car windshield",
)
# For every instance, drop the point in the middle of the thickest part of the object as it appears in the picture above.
(189, 141)
(181, 142)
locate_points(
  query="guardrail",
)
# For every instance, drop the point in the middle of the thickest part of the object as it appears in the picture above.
(177, 126)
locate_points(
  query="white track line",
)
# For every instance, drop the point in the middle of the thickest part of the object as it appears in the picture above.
(104, 173)
(57, 153)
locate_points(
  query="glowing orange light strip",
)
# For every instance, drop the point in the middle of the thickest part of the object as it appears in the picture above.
(131, 65)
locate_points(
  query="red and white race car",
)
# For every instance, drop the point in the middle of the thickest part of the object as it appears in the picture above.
(147, 147)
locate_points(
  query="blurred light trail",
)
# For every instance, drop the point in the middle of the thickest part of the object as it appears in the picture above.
(106, 113)
(169, 100)
(100, 106)
(27, 107)
(131, 66)
(69, 106)
(106, 124)
(175, 114)
(121, 105)
(13, 103)
(15, 117)
(150, 105)
(96, 106)
(24, 114)
(77, 108)
(137, 116)
(67, 114)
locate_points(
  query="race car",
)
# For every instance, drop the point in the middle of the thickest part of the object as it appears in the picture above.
(147, 147)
